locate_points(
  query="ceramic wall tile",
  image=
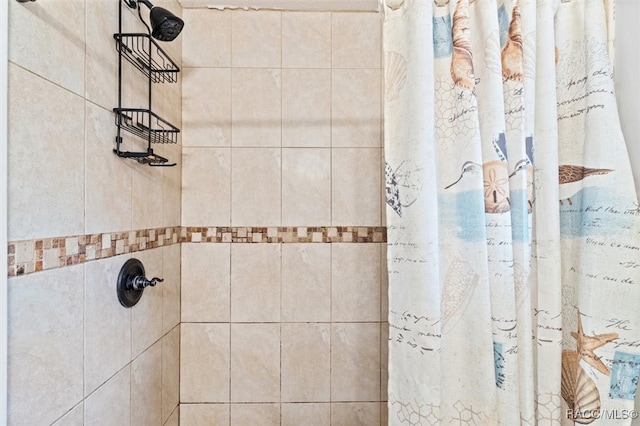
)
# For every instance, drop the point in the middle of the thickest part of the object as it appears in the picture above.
(205, 414)
(256, 186)
(206, 101)
(306, 107)
(44, 345)
(107, 324)
(147, 196)
(41, 116)
(256, 39)
(306, 414)
(254, 414)
(58, 30)
(384, 284)
(166, 101)
(146, 387)
(172, 186)
(306, 40)
(204, 363)
(255, 282)
(384, 357)
(256, 107)
(134, 94)
(306, 282)
(306, 186)
(206, 283)
(170, 372)
(206, 187)
(384, 414)
(356, 108)
(146, 315)
(356, 40)
(110, 404)
(174, 418)
(306, 362)
(75, 417)
(355, 362)
(101, 62)
(355, 186)
(355, 282)
(255, 363)
(102, 195)
(170, 287)
(207, 43)
(355, 414)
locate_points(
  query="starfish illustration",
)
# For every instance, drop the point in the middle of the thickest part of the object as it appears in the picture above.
(587, 344)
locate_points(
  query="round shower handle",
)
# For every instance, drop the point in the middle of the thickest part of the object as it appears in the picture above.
(140, 282)
(132, 282)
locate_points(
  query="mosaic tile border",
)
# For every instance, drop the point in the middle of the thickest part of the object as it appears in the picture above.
(26, 257)
(295, 234)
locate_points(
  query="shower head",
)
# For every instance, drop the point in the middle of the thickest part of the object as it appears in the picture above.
(165, 26)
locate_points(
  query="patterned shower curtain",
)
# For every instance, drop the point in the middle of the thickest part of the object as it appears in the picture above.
(513, 223)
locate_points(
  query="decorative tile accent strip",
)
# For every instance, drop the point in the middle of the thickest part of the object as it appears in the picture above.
(296, 234)
(25, 257)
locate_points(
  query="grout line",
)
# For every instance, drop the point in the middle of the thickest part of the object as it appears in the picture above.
(231, 143)
(280, 324)
(162, 338)
(281, 221)
(48, 80)
(331, 148)
(230, 328)
(281, 150)
(330, 333)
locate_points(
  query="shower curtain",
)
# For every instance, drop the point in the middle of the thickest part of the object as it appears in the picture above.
(513, 223)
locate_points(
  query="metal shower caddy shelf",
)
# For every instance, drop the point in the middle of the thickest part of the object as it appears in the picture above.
(141, 51)
(144, 53)
(146, 125)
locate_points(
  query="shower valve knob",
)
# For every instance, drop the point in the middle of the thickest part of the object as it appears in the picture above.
(140, 282)
(132, 282)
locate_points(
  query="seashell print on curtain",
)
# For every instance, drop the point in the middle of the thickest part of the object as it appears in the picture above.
(513, 227)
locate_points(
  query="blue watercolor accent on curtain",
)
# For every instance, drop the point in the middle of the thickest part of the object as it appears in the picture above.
(464, 212)
(503, 23)
(625, 371)
(519, 215)
(442, 39)
(596, 211)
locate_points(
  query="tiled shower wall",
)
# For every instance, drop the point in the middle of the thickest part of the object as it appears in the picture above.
(75, 355)
(282, 128)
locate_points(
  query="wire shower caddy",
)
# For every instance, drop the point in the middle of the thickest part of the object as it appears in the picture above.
(141, 51)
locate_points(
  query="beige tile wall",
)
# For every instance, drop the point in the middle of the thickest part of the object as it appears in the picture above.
(75, 355)
(282, 118)
(281, 121)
